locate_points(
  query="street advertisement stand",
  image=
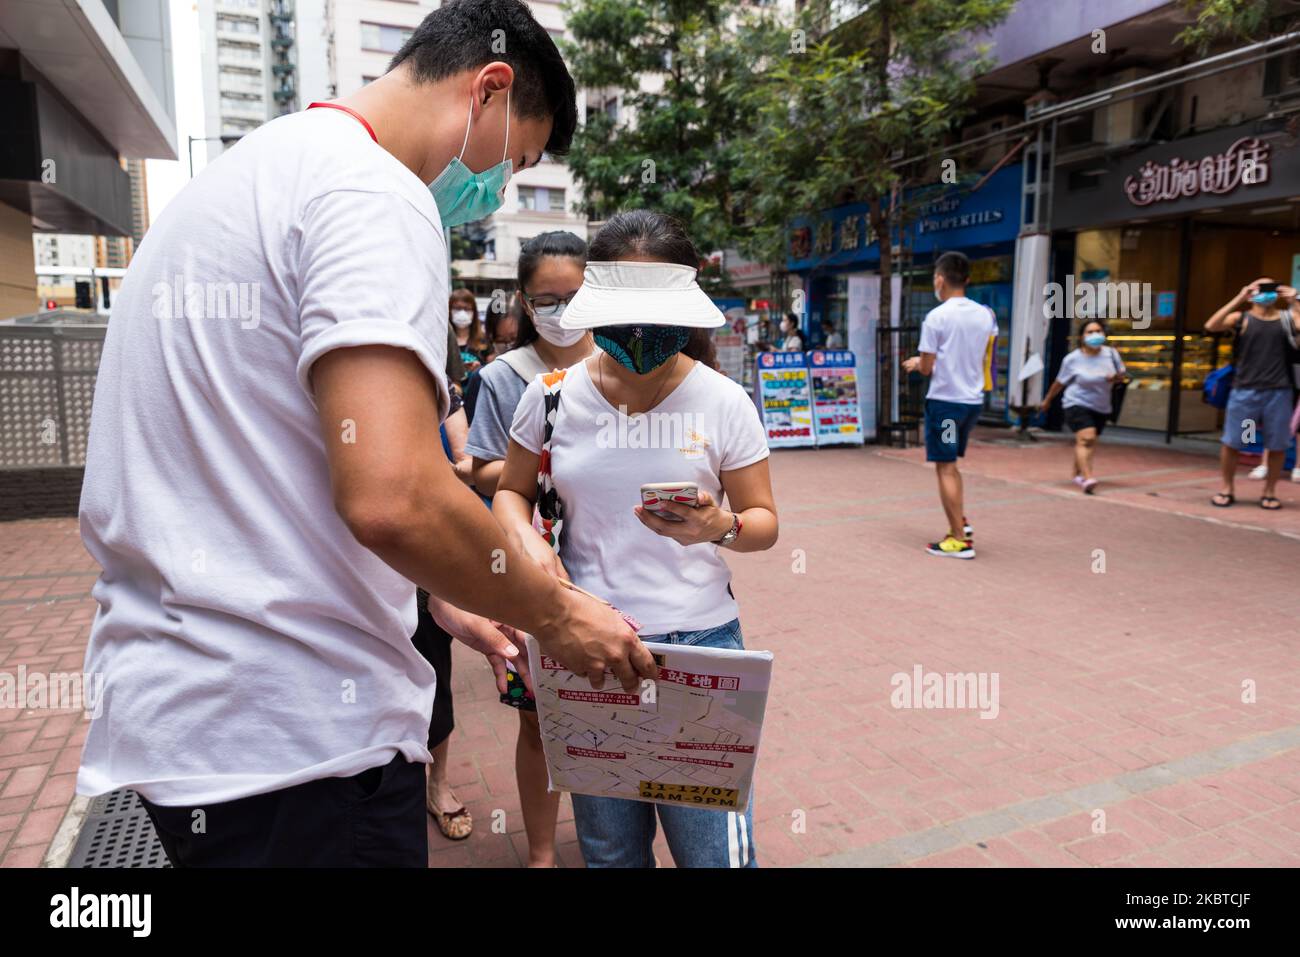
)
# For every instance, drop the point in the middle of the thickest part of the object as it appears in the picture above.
(784, 398)
(836, 415)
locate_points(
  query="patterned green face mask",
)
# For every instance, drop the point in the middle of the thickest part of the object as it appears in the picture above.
(642, 348)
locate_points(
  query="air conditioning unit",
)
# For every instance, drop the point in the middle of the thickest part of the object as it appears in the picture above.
(1122, 122)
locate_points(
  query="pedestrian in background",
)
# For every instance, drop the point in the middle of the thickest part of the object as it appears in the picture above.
(956, 352)
(500, 331)
(1087, 377)
(1263, 385)
(463, 310)
(791, 341)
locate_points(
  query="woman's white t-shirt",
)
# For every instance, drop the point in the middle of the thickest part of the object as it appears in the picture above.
(600, 458)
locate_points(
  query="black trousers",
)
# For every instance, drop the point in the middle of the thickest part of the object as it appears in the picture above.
(372, 819)
(435, 645)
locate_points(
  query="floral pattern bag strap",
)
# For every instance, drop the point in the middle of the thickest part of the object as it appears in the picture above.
(550, 511)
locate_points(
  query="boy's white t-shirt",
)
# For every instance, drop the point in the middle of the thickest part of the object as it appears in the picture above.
(956, 333)
(247, 641)
(599, 461)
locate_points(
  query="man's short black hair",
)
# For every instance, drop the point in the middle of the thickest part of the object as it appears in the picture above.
(954, 267)
(469, 34)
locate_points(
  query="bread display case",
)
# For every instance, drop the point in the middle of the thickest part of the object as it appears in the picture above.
(1149, 358)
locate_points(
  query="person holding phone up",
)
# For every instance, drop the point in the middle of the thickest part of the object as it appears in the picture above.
(648, 407)
(1259, 405)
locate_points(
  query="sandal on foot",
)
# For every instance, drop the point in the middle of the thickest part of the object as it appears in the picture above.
(1228, 499)
(455, 825)
(1269, 504)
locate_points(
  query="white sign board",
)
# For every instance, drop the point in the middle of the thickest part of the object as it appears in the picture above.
(688, 738)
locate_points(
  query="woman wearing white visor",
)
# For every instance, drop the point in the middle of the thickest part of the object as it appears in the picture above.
(647, 407)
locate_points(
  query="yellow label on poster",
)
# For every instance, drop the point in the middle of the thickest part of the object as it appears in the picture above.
(698, 794)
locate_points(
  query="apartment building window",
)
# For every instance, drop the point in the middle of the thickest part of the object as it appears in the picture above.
(242, 103)
(233, 81)
(384, 38)
(239, 53)
(541, 199)
(249, 5)
(237, 25)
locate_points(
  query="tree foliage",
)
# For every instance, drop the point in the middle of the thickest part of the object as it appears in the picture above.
(1237, 20)
(677, 141)
(836, 110)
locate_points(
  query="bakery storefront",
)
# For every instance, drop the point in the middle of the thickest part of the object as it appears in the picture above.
(1156, 241)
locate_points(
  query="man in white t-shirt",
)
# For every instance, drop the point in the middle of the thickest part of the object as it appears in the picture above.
(264, 482)
(956, 352)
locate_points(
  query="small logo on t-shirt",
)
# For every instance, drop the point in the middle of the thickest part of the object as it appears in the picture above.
(696, 444)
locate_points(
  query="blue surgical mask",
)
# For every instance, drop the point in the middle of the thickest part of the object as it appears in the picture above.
(1094, 340)
(1264, 298)
(464, 196)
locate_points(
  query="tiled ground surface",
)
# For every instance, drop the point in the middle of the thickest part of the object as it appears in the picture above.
(1121, 736)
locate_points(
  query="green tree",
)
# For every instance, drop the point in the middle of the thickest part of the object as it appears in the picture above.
(675, 142)
(1238, 20)
(836, 110)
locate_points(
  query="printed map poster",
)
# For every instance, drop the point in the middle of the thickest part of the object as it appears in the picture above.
(784, 398)
(688, 738)
(835, 397)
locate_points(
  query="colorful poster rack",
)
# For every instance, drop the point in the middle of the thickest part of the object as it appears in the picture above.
(785, 399)
(836, 413)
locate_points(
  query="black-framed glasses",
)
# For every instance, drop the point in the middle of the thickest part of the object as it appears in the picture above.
(546, 306)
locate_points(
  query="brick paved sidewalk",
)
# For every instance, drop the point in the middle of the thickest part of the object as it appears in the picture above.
(1121, 735)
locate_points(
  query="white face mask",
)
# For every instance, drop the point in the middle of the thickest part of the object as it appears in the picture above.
(461, 318)
(548, 327)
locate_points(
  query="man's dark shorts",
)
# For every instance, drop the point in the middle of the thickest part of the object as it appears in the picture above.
(947, 427)
(372, 819)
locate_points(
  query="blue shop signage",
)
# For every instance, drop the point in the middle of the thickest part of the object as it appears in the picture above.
(938, 219)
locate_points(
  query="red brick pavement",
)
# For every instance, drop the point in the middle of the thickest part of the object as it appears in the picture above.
(1121, 736)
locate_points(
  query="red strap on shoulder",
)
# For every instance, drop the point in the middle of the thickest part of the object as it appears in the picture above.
(350, 112)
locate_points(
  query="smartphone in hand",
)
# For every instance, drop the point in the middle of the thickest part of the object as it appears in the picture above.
(654, 494)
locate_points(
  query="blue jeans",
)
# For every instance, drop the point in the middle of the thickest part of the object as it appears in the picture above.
(614, 832)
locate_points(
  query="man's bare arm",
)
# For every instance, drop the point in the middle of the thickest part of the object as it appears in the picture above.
(398, 496)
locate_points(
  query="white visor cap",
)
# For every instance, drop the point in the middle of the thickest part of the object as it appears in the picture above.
(640, 294)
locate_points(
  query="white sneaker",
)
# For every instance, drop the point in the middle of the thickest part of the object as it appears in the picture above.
(1259, 473)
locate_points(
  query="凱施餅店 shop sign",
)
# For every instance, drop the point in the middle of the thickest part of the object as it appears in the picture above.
(1236, 165)
(1244, 163)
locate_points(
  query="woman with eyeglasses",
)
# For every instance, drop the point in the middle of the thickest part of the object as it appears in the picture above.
(550, 272)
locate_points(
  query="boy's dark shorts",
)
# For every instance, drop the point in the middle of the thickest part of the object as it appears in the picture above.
(947, 427)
